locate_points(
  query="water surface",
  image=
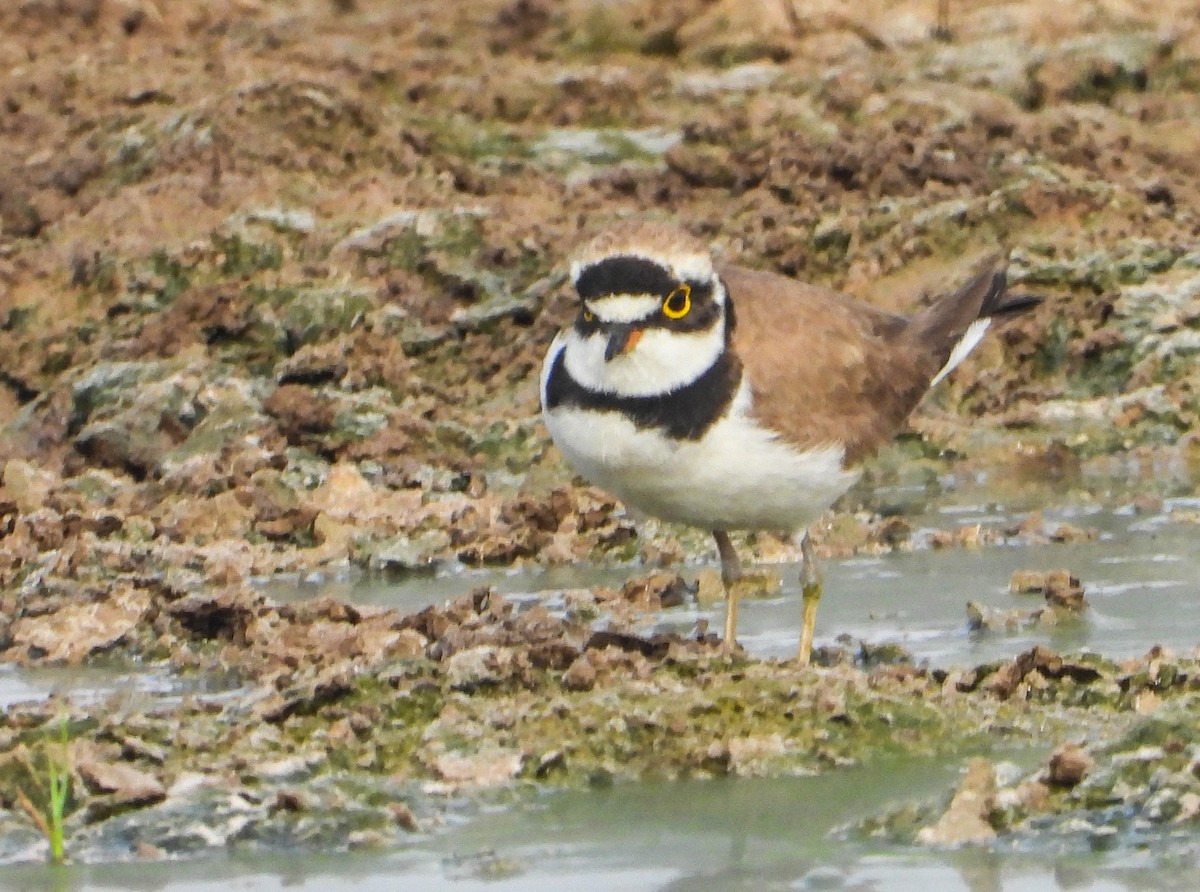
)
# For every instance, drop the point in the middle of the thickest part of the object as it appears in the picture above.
(1142, 578)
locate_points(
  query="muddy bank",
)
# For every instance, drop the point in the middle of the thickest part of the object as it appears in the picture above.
(275, 283)
(353, 728)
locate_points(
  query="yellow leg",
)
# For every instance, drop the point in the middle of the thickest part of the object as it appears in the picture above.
(731, 572)
(810, 588)
(731, 617)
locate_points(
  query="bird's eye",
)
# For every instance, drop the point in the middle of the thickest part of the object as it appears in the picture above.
(589, 316)
(678, 302)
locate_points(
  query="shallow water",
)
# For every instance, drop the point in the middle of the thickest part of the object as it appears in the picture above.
(96, 682)
(732, 834)
(1142, 577)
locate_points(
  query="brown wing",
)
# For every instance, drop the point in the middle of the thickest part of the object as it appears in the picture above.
(824, 368)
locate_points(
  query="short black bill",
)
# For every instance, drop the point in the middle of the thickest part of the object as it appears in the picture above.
(621, 339)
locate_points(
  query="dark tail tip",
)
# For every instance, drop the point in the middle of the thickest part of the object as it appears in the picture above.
(1012, 304)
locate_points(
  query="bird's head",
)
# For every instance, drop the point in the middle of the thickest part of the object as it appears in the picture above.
(652, 313)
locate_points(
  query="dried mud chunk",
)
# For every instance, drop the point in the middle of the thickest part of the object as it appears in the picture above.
(545, 514)
(208, 315)
(78, 630)
(580, 675)
(967, 817)
(19, 217)
(129, 785)
(315, 364)
(702, 165)
(657, 591)
(26, 486)
(8, 517)
(45, 528)
(402, 816)
(1005, 681)
(488, 768)
(112, 445)
(221, 616)
(1060, 588)
(519, 22)
(300, 411)
(1068, 765)
(556, 655)
(483, 665)
(654, 648)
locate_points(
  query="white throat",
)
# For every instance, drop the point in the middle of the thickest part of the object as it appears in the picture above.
(660, 362)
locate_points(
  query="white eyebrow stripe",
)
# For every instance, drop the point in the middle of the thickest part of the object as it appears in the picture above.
(624, 307)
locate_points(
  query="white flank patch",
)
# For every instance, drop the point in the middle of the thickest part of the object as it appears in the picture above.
(660, 362)
(968, 342)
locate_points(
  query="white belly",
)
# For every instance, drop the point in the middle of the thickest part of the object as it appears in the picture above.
(736, 477)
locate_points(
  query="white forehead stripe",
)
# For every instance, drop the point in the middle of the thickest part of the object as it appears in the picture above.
(624, 307)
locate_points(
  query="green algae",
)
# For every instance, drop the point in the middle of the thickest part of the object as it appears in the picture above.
(240, 257)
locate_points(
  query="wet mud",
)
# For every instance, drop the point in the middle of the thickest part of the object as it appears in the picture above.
(275, 284)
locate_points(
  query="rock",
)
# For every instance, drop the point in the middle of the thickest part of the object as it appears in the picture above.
(316, 315)
(1145, 701)
(290, 801)
(402, 816)
(656, 591)
(580, 675)
(1026, 582)
(1095, 68)
(322, 363)
(425, 224)
(1068, 765)
(129, 786)
(488, 768)
(26, 485)
(343, 493)
(204, 521)
(1006, 680)
(1189, 808)
(480, 665)
(710, 589)
(495, 303)
(966, 819)
(401, 554)
(300, 411)
(701, 164)
(752, 755)
(150, 418)
(734, 30)
(982, 618)
(78, 630)
(220, 615)
(1066, 532)
(739, 79)
(1060, 588)
(290, 221)
(1032, 796)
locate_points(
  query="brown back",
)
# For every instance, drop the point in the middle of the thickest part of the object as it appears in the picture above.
(827, 369)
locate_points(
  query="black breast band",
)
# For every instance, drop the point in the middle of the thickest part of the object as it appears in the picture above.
(684, 414)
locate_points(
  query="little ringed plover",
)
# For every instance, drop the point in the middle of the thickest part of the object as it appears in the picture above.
(732, 399)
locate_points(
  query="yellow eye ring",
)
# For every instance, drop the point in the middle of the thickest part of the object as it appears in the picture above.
(589, 316)
(678, 302)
